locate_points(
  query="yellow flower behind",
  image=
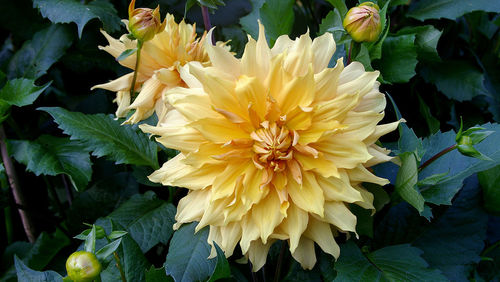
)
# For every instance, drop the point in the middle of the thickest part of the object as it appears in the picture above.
(161, 59)
(274, 146)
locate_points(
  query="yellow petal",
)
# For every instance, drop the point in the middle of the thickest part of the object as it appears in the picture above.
(308, 196)
(343, 152)
(294, 225)
(327, 80)
(339, 189)
(338, 214)
(305, 253)
(266, 215)
(121, 83)
(361, 174)
(191, 207)
(321, 233)
(219, 130)
(222, 58)
(325, 167)
(299, 56)
(225, 182)
(257, 253)
(231, 234)
(192, 103)
(323, 48)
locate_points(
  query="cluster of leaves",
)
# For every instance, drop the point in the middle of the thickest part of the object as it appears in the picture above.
(77, 164)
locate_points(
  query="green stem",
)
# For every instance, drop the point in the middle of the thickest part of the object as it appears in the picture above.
(437, 156)
(136, 69)
(8, 225)
(118, 264)
(350, 52)
(491, 248)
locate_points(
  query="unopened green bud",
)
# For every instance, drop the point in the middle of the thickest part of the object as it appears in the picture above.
(83, 266)
(144, 23)
(363, 22)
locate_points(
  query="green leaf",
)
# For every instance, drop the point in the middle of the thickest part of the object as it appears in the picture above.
(212, 4)
(125, 54)
(455, 240)
(449, 9)
(21, 91)
(147, 219)
(332, 23)
(406, 181)
(36, 56)
(340, 6)
(489, 180)
(157, 275)
(189, 4)
(106, 137)
(277, 16)
(427, 38)
(458, 80)
(90, 241)
(249, 22)
(117, 234)
(375, 48)
(433, 179)
(399, 58)
(409, 142)
(107, 250)
(24, 273)
(51, 155)
(187, 257)
(432, 123)
(222, 269)
(458, 166)
(393, 263)
(66, 11)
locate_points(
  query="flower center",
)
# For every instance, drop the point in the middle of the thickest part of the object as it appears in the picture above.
(272, 146)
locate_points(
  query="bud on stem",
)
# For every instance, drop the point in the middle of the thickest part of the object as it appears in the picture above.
(363, 22)
(144, 23)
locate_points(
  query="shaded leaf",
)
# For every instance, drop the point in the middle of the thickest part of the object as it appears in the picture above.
(187, 258)
(449, 9)
(340, 6)
(458, 166)
(66, 11)
(406, 181)
(489, 180)
(458, 80)
(37, 55)
(157, 275)
(51, 155)
(222, 269)
(106, 137)
(393, 263)
(147, 219)
(399, 58)
(24, 273)
(427, 38)
(277, 16)
(455, 240)
(249, 22)
(432, 123)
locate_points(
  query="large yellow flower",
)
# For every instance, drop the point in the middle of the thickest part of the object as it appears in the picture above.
(274, 146)
(161, 58)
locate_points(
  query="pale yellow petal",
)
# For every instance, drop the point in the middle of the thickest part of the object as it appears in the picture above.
(338, 214)
(266, 215)
(323, 48)
(321, 233)
(222, 58)
(294, 225)
(308, 196)
(327, 80)
(190, 207)
(305, 253)
(257, 254)
(339, 189)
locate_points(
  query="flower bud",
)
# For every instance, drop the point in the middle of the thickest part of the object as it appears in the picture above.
(144, 23)
(363, 22)
(83, 266)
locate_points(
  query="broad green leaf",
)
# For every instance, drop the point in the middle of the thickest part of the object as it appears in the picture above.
(37, 55)
(449, 9)
(147, 219)
(24, 273)
(277, 16)
(187, 257)
(427, 38)
(457, 165)
(107, 250)
(249, 22)
(455, 240)
(117, 234)
(66, 11)
(212, 4)
(409, 142)
(51, 155)
(399, 58)
(458, 80)
(363, 56)
(106, 137)
(394, 263)
(222, 269)
(299, 274)
(332, 23)
(433, 179)
(157, 275)
(375, 48)
(340, 6)
(406, 181)
(489, 180)
(21, 91)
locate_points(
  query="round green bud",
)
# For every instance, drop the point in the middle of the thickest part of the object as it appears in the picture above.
(363, 22)
(83, 266)
(144, 23)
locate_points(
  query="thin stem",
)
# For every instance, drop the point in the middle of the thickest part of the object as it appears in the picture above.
(350, 52)
(136, 69)
(118, 265)
(490, 248)
(69, 195)
(8, 224)
(16, 190)
(280, 262)
(206, 18)
(437, 156)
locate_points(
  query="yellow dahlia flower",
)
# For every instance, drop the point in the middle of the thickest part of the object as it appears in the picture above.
(161, 58)
(273, 146)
